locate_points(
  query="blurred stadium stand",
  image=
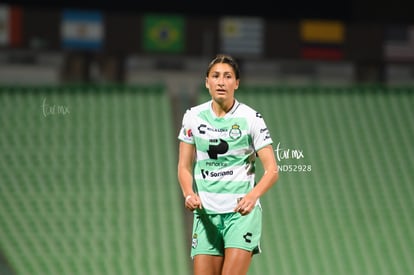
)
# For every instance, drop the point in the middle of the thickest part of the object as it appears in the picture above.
(88, 182)
(89, 187)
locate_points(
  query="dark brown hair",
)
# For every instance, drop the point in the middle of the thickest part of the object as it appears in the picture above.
(227, 59)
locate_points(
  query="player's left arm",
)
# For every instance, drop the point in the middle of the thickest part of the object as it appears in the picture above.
(268, 179)
(270, 175)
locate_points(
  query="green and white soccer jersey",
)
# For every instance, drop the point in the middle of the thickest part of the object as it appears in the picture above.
(226, 151)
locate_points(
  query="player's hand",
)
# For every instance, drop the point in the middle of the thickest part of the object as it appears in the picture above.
(192, 202)
(245, 205)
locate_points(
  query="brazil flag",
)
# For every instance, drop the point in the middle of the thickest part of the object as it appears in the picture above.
(163, 33)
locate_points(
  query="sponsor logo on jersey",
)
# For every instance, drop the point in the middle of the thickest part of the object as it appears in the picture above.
(187, 132)
(216, 164)
(216, 147)
(263, 130)
(267, 135)
(202, 128)
(206, 173)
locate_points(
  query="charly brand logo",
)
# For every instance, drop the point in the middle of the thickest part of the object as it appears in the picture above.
(54, 109)
(283, 154)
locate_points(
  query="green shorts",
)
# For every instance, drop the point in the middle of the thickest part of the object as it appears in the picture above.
(212, 233)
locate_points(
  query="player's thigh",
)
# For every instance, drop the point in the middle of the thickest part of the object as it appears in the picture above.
(236, 261)
(208, 264)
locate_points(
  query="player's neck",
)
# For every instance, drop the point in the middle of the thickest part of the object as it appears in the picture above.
(222, 108)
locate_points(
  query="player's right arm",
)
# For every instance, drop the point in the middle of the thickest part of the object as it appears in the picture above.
(185, 175)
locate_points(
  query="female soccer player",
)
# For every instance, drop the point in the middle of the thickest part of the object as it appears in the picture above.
(219, 142)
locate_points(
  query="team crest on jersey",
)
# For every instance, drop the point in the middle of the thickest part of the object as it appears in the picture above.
(235, 132)
(195, 241)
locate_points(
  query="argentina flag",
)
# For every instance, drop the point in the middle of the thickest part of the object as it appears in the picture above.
(82, 30)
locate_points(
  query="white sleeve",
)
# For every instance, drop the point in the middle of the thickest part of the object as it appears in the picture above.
(260, 133)
(185, 133)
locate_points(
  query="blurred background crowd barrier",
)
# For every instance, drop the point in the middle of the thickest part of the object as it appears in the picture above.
(92, 95)
(95, 44)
